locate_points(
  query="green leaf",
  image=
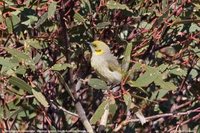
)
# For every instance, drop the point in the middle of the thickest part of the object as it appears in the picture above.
(127, 57)
(18, 54)
(97, 83)
(194, 28)
(194, 73)
(86, 3)
(28, 2)
(20, 70)
(9, 25)
(127, 99)
(32, 18)
(42, 19)
(162, 67)
(112, 108)
(159, 94)
(197, 51)
(178, 71)
(20, 84)
(65, 85)
(15, 20)
(99, 112)
(5, 62)
(37, 58)
(102, 25)
(79, 18)
(40, 97)
(52, 9)
(34, 43)
(147, 78)
(165, 85)
(59, 67)
(145, 25)
(115, 5)
(164, 4)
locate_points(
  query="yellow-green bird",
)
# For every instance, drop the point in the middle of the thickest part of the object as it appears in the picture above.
(105, 63)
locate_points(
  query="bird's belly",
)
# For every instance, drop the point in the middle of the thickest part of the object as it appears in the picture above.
(101, 67)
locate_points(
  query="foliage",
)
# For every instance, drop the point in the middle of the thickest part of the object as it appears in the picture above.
(44, 56)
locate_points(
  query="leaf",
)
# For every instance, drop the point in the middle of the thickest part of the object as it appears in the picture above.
(34, 43)
(159, 94)
(162, 67)
(194, 28)
(40, 97)
(21, 84)
(65, 85)
(42, 19)
(52, 9)
(145, 25)
(112, 107)
(18, 54)
(197, 51)
(20, 70)
(97, 83)
(123, 34)
(5, 62)
(164, 4)
(165, 85)
(1, 19)
(28, 3)
(178, 71)
(87, 2)
(102, 25)
(32, 18)
(127, 99)
(9, 25)
(99, 112)
(193, 73)
(141, 117)
(147, 78)
(37, 58)
(115, 5)
(79, 18)
(127, 57)
(15, 20)
(59, 67)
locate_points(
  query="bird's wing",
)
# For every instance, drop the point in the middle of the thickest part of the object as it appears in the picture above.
(113, 64)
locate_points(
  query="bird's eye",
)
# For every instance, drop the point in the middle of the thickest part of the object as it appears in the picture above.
(94, 45)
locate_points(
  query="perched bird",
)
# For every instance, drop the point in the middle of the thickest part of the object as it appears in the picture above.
(104, 63)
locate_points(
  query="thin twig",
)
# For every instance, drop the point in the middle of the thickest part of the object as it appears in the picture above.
(196, 117)
(63, 109)
(124, 123)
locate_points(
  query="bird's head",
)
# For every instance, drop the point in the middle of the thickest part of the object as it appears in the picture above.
(99, 48)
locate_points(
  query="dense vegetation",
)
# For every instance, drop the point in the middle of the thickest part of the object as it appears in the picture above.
(47, 83)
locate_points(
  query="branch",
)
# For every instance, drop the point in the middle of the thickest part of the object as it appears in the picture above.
(124, 123)
(83, 118)
(63, 109)
(81, 111)
(196, 117)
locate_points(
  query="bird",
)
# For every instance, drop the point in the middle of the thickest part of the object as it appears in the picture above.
(105, 63)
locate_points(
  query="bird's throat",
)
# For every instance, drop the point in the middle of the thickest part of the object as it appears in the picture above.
(99, 52)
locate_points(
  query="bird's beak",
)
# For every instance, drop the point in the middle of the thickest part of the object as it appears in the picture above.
(90, 45)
